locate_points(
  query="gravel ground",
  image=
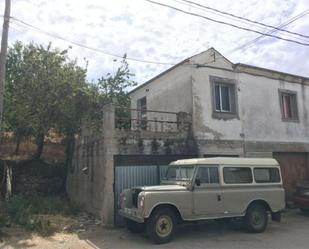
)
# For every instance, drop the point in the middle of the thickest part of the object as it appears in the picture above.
(292, 232)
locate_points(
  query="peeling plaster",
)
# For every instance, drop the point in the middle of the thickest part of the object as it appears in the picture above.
(206, 131)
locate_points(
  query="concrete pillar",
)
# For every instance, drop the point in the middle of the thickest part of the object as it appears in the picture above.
(108, 120)
(85, 130)
(109, 150)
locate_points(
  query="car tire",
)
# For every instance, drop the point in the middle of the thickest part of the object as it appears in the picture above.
(161, 225)
(134, 227)
(256, 218)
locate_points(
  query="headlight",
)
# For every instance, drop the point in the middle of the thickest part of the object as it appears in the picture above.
(141, 201)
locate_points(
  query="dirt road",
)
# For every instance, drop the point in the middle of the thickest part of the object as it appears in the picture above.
(292, 232)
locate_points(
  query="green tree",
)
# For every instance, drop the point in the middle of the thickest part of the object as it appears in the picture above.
(41, 85)
(73, 105)
(17, 111)
(46, 90)
(113, 89)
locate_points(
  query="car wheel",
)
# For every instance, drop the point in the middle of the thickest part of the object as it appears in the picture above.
(256, 218)
(134, 227)
(161, 225)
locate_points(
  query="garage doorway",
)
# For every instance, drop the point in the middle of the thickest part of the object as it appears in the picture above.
(139, 170)
(294, 169)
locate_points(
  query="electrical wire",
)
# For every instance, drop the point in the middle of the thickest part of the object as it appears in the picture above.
(249, 44)
(266, 30)
(87, 47)
(228, 24)
(293, 19)
(244, 19)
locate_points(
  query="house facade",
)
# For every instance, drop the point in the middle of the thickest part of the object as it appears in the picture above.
(236, 110)
(202, 107)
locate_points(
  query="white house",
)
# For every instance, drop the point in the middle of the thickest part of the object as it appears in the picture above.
(237, 109)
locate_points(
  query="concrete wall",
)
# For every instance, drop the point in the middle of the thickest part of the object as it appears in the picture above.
(261, 112)
(259, 118)
(164, 92)
(90, 180)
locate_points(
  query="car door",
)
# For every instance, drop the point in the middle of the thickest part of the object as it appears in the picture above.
(238, 188)
(207, 199)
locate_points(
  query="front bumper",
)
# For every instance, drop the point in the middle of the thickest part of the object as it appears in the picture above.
(132, 214)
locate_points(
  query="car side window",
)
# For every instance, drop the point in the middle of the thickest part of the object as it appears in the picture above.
(265, 175)
(234, 175)
(208, 175)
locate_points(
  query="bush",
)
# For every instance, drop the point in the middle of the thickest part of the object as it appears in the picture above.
(26, 211)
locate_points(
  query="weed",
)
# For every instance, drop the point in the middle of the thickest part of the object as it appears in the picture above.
(29, 211)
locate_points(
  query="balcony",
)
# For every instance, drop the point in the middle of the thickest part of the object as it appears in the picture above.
(151, 120)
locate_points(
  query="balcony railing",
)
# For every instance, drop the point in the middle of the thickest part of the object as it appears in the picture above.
(151, 120)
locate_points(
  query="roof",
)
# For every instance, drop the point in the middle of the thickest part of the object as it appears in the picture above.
(228, 161)
(177, 65)
(250, 69)
(254, 70)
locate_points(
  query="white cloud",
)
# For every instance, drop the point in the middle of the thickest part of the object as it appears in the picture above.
(149, 32)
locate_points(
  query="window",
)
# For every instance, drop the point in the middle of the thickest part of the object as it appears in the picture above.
(224, 97)
(208, 175)
(262, 175)
(142, 113)
(180, 173)
(234, 175)
(288, 103)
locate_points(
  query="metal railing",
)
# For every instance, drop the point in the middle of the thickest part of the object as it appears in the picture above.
(151, 120)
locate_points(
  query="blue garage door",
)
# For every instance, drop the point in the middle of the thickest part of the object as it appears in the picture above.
(132, 171)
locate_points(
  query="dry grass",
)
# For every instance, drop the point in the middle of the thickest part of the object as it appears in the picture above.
(53, 149)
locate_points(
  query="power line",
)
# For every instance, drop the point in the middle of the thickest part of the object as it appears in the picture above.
(245, 19)
(228, 24)
(295, 18)
(241, 21)
(300, 15)
(85, 46)
(251, 43)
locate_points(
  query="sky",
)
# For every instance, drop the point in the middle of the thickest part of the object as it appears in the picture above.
(149, 32)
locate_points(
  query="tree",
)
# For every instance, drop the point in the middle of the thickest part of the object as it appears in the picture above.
(73, 105)
(41, 84)
(46, 90)
(113, 89)
(17, 111)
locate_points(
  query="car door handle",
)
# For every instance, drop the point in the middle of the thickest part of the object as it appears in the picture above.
(218, 197)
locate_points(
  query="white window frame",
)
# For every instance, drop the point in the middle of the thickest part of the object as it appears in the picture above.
(220, 85)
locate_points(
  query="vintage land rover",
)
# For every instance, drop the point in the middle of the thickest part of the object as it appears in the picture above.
(207, 188)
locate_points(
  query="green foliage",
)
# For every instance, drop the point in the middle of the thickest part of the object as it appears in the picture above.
(26, 211)
(44, 90)
(112, 88)
(17, 103)
(47, 90)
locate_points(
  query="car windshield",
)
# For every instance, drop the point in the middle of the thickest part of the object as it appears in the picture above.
(179, 173)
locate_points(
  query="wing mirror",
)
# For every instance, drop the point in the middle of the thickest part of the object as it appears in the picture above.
(197, 181)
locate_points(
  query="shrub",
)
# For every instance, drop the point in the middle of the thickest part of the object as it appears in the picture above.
(27, 211)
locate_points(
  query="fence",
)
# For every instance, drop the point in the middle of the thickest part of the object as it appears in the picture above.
(151, 120)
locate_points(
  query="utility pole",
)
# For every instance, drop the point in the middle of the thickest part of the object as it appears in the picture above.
(3, 53)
